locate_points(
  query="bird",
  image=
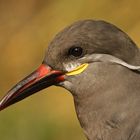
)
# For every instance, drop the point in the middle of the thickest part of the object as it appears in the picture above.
(100, 65)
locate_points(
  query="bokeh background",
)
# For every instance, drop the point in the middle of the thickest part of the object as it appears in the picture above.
(26, 28)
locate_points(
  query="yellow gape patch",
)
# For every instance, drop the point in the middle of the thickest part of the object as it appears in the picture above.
(78, 70)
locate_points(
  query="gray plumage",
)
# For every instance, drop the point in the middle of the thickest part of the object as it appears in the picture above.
(107, 93)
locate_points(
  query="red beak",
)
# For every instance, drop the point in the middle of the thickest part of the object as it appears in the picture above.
(41, 78)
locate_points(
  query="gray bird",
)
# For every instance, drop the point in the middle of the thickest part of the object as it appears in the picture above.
(100, 65)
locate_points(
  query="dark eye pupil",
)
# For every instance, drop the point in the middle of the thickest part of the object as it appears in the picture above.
(76, 51)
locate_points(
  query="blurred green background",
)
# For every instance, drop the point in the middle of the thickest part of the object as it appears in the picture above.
(26, 28)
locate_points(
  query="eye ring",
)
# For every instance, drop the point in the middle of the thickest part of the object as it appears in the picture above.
(75, 51)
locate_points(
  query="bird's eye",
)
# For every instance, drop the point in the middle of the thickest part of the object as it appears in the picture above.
(75, 51)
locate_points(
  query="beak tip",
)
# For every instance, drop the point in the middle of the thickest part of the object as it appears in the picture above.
(3, 103)
(1, 107)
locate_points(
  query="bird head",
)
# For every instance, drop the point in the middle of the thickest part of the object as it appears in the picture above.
(72, 56)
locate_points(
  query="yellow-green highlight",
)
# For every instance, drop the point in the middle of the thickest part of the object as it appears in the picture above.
(78, 70)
